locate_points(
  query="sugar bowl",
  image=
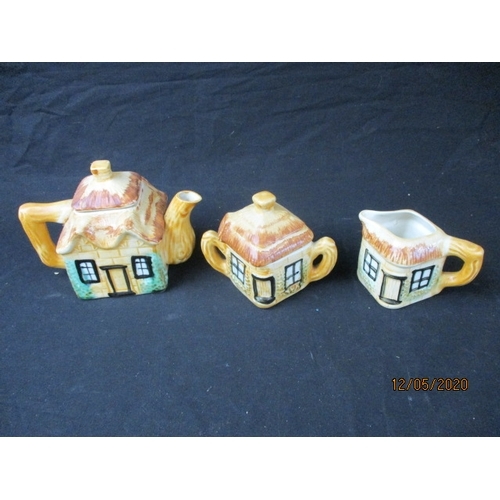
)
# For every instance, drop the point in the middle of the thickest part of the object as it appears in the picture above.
(267, 252)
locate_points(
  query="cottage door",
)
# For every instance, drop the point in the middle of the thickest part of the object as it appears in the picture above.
(391, 289)
(118, 280)
(263, 289)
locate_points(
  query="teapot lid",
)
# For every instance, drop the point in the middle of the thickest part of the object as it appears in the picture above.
(264, 232)
(109, 205)
(105, 189)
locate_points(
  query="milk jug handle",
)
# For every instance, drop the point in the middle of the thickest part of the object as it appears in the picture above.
(326, 248)
(214, 251)
(471, 254)
(34, 218)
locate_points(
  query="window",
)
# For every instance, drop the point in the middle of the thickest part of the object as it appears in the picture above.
(238, 268)
(87, 271)
(142, 267)
(370, 265)
(293, 273)
(421, 278)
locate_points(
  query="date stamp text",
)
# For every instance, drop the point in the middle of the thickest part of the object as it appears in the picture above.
(430, 384)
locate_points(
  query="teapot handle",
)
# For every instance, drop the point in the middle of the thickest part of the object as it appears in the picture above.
(326, 248)
(471, 254)
(34, 218)
(214, 251)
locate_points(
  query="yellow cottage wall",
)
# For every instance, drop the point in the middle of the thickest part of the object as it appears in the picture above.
(275, 269)
(389, 268)
(121, 255)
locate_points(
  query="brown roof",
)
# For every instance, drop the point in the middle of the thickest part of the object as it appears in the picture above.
(404, 255)
(264, 232)
(109, 205)
(105, 189)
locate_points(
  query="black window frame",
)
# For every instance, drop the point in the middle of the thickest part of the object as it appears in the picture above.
(294, 273)
(368, 264)
(78, 265)
(237, 263)
(419, 281)
(142, 259)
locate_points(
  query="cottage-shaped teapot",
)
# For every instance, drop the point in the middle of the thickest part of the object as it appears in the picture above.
(118, 236)
(267, 252)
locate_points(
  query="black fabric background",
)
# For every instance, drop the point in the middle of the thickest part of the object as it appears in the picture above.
(200, 360)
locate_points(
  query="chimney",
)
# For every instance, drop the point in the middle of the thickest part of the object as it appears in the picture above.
(101, 170)
(264, 200)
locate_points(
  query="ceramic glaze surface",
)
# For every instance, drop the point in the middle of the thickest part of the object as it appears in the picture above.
(267, 252)
(402, 256)
(118, 236)
(403, 223)
(264, 231)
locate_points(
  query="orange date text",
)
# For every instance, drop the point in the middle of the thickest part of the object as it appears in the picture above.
(430, 384)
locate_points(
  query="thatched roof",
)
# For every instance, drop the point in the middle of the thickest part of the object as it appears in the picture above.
(109, 205)
(263, 232)
(404, 254)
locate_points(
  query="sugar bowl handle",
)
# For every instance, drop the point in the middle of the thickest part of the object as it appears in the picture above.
(214, 251)
(325, 247)
(471, 254)
(34, 218)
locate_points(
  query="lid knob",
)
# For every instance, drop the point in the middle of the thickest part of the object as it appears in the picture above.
(264, 200)
(101, 170)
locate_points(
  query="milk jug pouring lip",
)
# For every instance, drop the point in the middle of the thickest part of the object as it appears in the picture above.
(405, 224)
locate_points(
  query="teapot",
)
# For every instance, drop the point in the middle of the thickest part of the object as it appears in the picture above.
(118, 236)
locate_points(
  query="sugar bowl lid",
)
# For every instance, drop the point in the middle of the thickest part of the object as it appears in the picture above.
(264, 231)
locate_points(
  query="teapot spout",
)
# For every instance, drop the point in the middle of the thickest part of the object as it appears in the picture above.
(180, 237)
